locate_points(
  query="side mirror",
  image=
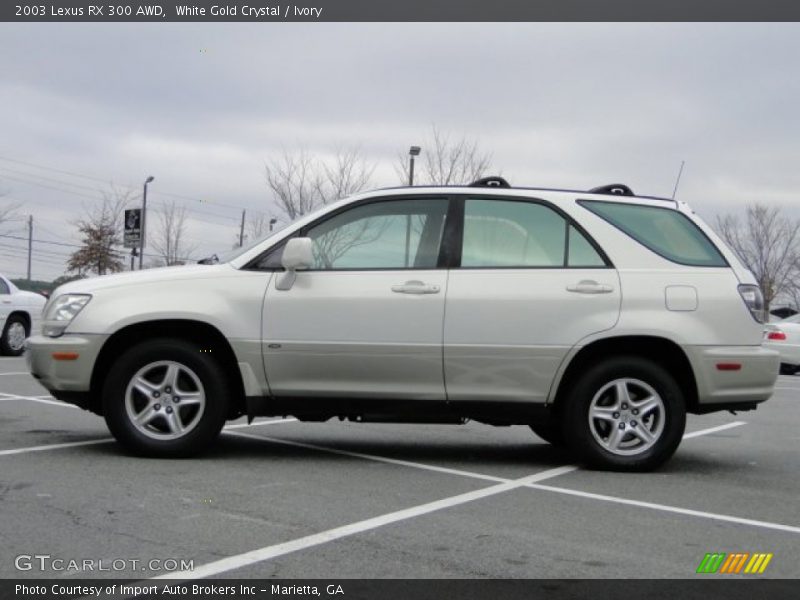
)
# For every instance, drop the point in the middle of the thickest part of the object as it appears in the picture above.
(297, 255)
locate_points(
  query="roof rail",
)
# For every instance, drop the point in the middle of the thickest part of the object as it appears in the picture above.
(493, 181)
(613, 189)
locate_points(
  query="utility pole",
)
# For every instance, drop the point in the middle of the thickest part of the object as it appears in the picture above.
(30, 244)
(241, 230)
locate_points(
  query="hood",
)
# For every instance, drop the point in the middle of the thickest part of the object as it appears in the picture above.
(92, 284)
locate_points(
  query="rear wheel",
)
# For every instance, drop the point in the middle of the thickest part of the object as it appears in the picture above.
(165, 398)
(625, 414)
(12, 342)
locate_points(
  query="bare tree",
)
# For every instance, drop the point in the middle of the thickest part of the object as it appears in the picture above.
(301, 182)
(768, 244)
(7, 211)
(169, 241)
(100, 229)
(446, 161)
(257, 226)
(347, 174)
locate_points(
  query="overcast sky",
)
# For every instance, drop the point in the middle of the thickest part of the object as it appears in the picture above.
(202, 106)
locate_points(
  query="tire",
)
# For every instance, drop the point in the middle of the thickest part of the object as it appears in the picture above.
(550, 431)
(16, 331)
(142, 383)
(787, 369)
(625, 439)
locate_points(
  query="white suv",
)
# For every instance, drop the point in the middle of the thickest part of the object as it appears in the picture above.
(598, 318)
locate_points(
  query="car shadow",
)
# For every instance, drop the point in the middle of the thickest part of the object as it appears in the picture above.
(469, 455)
(231, 447)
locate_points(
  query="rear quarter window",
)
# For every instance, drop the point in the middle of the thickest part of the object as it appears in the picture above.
(666, 232)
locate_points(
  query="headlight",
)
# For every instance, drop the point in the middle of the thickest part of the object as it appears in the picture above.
(60, 312)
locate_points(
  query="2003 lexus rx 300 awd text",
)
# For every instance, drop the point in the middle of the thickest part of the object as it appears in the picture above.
(598, 318)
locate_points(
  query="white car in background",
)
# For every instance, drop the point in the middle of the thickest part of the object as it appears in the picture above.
(784, 336)
(20, 312)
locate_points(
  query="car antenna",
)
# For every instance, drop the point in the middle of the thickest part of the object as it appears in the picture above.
(677, 182)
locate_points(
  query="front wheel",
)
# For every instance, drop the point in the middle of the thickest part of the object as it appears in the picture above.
(625, 414)
(165, 398)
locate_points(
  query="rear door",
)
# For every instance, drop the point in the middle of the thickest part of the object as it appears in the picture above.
(528, 284)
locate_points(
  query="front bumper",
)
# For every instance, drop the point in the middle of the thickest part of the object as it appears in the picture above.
(64, 377)
(726, 388)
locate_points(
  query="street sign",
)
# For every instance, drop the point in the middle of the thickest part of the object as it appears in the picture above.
(132, 237)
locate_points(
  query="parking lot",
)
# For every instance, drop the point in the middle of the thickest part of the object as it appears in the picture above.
(285, 499)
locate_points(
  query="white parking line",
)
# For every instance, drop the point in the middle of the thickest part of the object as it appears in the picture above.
(16, 373)
(502, 485)
(255, 556)
(43, 400)
(106, 440)
(255, 423)
(53, 446)
(694, 434)
(375, 457)
(668, 508)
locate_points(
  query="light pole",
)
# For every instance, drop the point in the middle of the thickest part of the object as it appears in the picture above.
(412, 152)
(144, 218)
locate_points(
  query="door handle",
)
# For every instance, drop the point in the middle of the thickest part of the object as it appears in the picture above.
(415, 287)
(589, 286)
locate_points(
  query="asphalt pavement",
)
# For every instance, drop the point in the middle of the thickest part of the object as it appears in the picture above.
(280, 498)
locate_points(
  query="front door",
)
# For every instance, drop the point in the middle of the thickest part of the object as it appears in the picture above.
(366, 320)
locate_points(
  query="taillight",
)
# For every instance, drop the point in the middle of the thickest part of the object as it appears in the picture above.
(753, 299)
(776, 335)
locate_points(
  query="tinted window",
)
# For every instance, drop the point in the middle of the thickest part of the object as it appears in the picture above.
(580, 252)
(507, 233)
(4, 287)
(395, 234)
(664, 231)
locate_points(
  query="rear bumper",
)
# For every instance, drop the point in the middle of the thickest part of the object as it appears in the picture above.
(63, 377)
(731, 387)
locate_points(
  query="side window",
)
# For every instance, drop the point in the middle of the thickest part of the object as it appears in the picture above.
(580, 253)
(4, 287)
(392, 234)
(666, 232)
(272, 260)
(508, 233)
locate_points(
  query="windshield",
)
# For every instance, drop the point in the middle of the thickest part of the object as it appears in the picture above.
(236, 252)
